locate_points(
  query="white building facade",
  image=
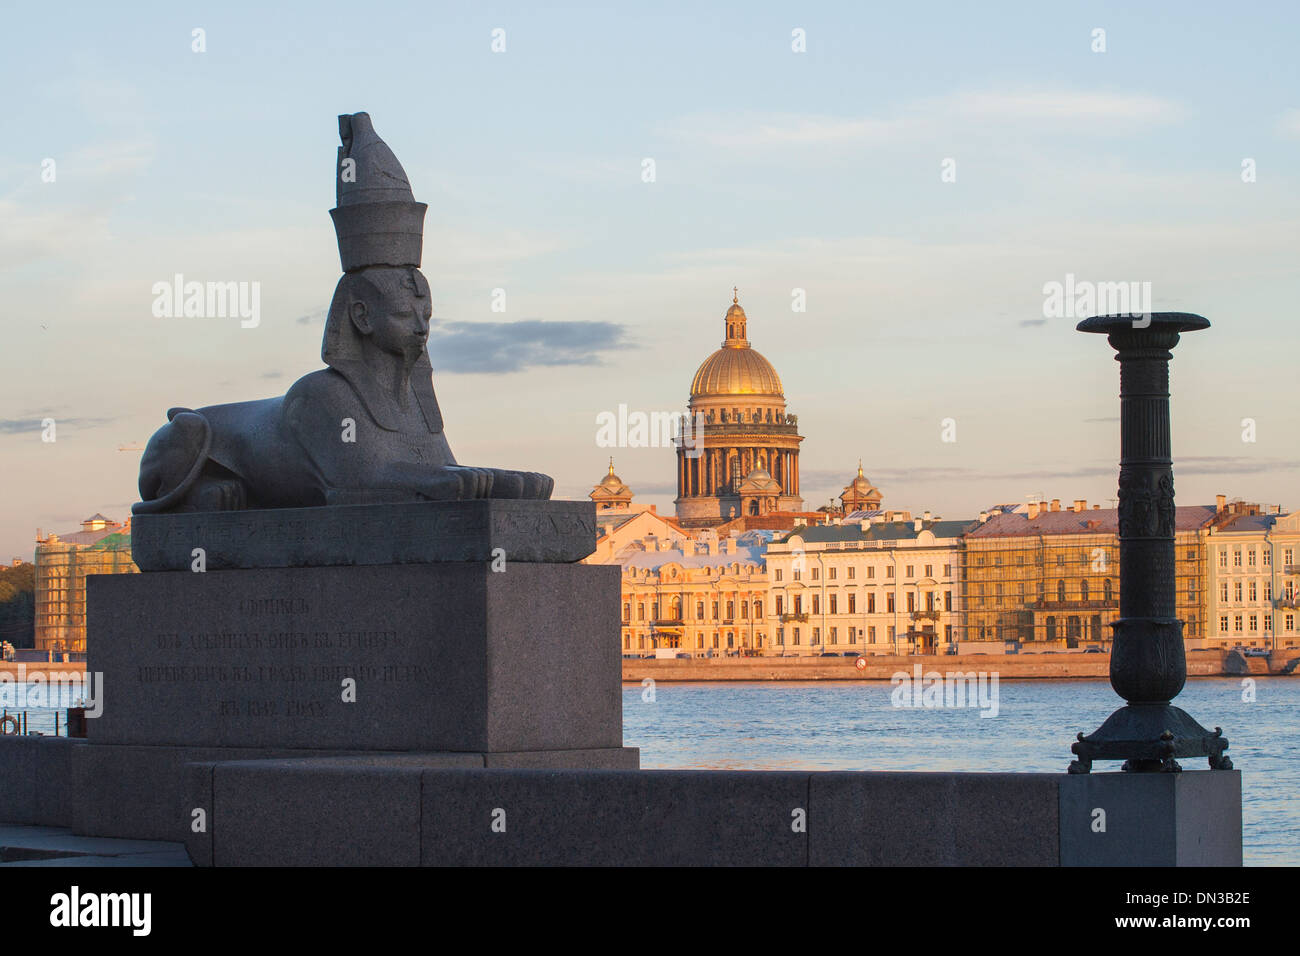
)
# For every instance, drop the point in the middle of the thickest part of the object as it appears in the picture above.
(889, 584)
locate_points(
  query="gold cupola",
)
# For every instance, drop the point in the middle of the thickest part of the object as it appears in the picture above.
(736, 369)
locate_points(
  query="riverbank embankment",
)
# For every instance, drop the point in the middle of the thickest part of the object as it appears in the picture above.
(1049, 666)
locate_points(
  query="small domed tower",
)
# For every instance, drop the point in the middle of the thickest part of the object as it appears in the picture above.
(610, 494)
(860, 494)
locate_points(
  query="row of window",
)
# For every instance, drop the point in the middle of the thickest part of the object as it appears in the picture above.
(1084, 591)
(1238, 591)
(909, 571)
(1265, 557)
(675, 610)
(1238, 620)
(1074, 627)
(1095, 556)
(700, 643)
(1252, 592)
(866, 635)
(933, 600)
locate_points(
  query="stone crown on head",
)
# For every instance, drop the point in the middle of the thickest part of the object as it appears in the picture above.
(377, 220)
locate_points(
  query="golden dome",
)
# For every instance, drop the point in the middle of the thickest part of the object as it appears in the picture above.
(736, 369)
(861, 482)
(611, 480)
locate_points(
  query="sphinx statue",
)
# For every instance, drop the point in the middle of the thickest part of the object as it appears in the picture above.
(365, 429)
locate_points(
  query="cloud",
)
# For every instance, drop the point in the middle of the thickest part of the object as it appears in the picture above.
(1065, 105)
(461, 251)
(472, 347)
(1186, 466)
(882, 476)
(1288, 125)
(19, 426)
(1231, 465)
(929, 117)
(786, 129)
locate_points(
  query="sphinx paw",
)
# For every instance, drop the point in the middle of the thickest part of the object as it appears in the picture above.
(508, 484)
(537, 486)
(470, 482)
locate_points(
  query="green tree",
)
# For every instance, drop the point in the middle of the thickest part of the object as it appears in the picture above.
(18, 605)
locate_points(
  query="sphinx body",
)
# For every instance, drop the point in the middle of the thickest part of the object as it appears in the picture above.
(365, 429)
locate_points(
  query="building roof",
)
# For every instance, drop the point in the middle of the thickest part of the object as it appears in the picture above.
(884, 531)
(1247, 523)
(654, 560)
(115, 540)
(1092, 521)
(771, 521)
(113, 536)
(736, 370)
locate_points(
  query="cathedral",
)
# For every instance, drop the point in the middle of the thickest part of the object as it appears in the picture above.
(745, 460)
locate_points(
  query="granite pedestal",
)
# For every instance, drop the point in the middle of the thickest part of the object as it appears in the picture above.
(455, 663)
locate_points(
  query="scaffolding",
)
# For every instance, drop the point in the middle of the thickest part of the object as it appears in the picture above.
(61, 570)
(1063, 588)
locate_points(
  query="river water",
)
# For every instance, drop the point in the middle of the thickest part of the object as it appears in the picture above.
(787, 725)
(778, 725)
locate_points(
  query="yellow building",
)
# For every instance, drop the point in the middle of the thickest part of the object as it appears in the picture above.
(704, 596)
(102, 546)
(884, 584)
(1040, 573)
(696, 592)
(1253, 577)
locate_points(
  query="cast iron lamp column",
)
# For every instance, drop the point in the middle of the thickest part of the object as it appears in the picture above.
(1148, 663)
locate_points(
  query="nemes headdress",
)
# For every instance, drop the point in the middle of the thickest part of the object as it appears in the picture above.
(377, 220)
(378, 224)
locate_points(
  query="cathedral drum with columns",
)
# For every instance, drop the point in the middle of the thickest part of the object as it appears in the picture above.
(744, 458)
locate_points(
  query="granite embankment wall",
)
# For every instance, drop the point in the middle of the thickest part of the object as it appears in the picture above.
(413, 809)
(1072, 666)
(1008, 666)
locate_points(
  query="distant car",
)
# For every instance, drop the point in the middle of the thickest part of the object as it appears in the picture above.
(1254, 652)
(828, 654)
(1094, 650)
(850, 653)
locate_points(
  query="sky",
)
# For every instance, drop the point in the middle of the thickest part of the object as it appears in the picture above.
(919, 171)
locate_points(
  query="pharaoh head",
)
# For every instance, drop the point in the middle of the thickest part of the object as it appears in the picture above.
(382, 302)
(383, 307)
